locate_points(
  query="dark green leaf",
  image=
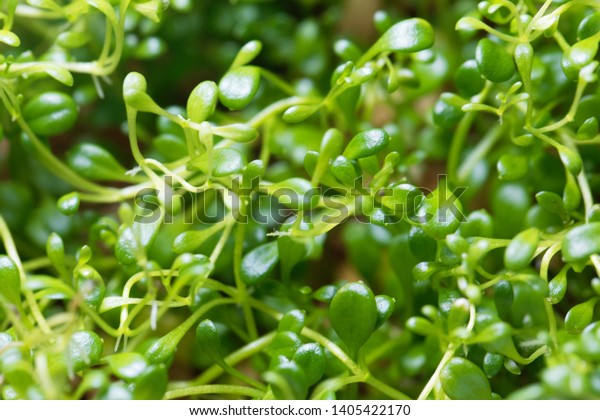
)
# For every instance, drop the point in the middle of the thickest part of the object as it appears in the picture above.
(367, 143)
(463, 380)
(259, 263)
(94, 162)
(521, 249)
(495, 64)
(311, 358)
(50, 113)
(580, 316)
(353, 314)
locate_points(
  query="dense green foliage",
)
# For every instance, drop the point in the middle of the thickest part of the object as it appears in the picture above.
(281, 199)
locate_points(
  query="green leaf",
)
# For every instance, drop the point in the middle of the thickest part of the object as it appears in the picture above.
(347, 50)
(284, 344)
(447, 110)
(292, 321)
(367, 143)
(238, 87)
(291, 252)
(59, 73)
(331, 146)
(55, 250)
(407, 36)
(382, 20)
(71, 40)
(421, 245)
(440, 214)
(127, 249)
(570, 159)
(588, 130)
(202, 102)
(461, 379)
(292, 192)
(512, 167)
(580, 316)
(224, 161)
(259, 263)
(127, 366)
(135, 96)
(552, 203)
(345, 171)
(150, 48)
(572, 194)
(68, 204)
(385, 308)
(310, 358)
(589, 26)
(557, 287)
(468, 79)
(360, 75)
(495, 64)
(459, 314)
(524, 56)
(191, 240)
(94, 162)
(10, 281)
(581, 242)
(247, 53)
(288, 381)
(253, 173)
(50, 113)
(91, 286)
(583, 52)
(240, 133)
(492, 363)
(152, 9)
(170, 146)
(298, 113)
(84, 349)
(353, 314)
(521, 249)
(209, 341)
(9, 38)
(421, 326)
(151, 384)
(492, 333)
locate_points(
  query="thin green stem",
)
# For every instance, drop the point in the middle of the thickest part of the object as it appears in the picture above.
(59, 169)
(278, 82)
(436, 375)
(241, 286)
(386, 389)
(460, 136)
(234, 358)
(478, 153)
(333, 384)
(278, 107)
(214, 389)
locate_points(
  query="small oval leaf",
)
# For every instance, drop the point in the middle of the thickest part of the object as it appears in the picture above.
(238, 87)
(259, 263)
(367, 143)
(463, 380)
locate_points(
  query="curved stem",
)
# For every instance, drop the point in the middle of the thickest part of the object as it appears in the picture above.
(59, 169)
(234, 358)
(214, 389)
(436, 375)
